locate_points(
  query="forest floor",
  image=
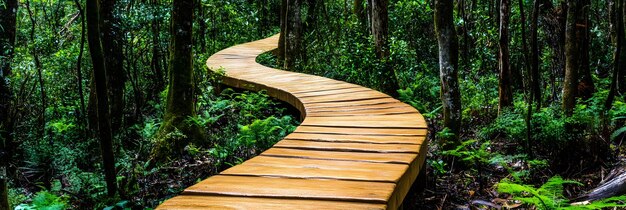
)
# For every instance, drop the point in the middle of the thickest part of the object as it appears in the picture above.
(458, 186)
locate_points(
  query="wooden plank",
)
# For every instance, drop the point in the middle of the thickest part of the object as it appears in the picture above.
(359, 114)
(318, 169)
(360, 96)
(361, 131)
(326, 88)
(355, 138)
(386, 110)
(358, 108)
(324, 164)
(337, 190)
(410, 121)
(349, 147)
(405, 158)
(195, 202)
(352, 103)
(356, 89)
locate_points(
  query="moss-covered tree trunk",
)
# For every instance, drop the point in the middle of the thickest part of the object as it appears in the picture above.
(7, 40)
(180, 93)
(112, 44)
(570, 82)
(504, 88)
(448, 68)
(100, 82)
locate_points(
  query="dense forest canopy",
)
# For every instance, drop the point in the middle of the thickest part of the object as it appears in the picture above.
(108, 103)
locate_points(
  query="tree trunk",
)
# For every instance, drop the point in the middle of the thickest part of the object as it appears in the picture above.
(283, 31)
(155, 65)
(618, 54)
(380, 31)
(525, 54)
(448, 65)
(114, 58)
(180, 94)
(7, 42)
(613, 185)
(570, 81)
(586, 88)
(293, 38)
(79, 73)
(380, 28)
(504, 87)
(92, 104)
(361, 14)
(535, 80)
(202, 26)
(614, 13)
(621, 76)
(100, 81)
(311, 17)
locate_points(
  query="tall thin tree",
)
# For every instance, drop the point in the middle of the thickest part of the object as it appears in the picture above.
(534, 68)
(448, 67)
(504, 88)
(79, 61)
(570, 82)
(618, 54)
(99, 75)
(380, 31)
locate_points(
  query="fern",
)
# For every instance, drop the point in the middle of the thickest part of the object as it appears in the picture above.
(618, 132)
(45, 201)
(550, 195)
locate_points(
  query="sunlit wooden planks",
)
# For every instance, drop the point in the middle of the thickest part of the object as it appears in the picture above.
(355, 149)
(197, 202)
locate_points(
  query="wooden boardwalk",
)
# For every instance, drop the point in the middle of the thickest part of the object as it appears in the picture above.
(356, 148)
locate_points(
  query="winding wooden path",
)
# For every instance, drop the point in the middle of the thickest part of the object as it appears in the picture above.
(356, 148)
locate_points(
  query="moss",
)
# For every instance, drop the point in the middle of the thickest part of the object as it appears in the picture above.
(173, 136)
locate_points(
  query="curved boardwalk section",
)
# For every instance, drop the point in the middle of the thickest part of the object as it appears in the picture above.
(356, 148)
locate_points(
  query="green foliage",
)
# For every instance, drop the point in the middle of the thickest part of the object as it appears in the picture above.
(124, 205)
(471, 152)
(253, 139)
(16, 197)
(519, 167)
(438, 165)
(550, 195)
(45, 200)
